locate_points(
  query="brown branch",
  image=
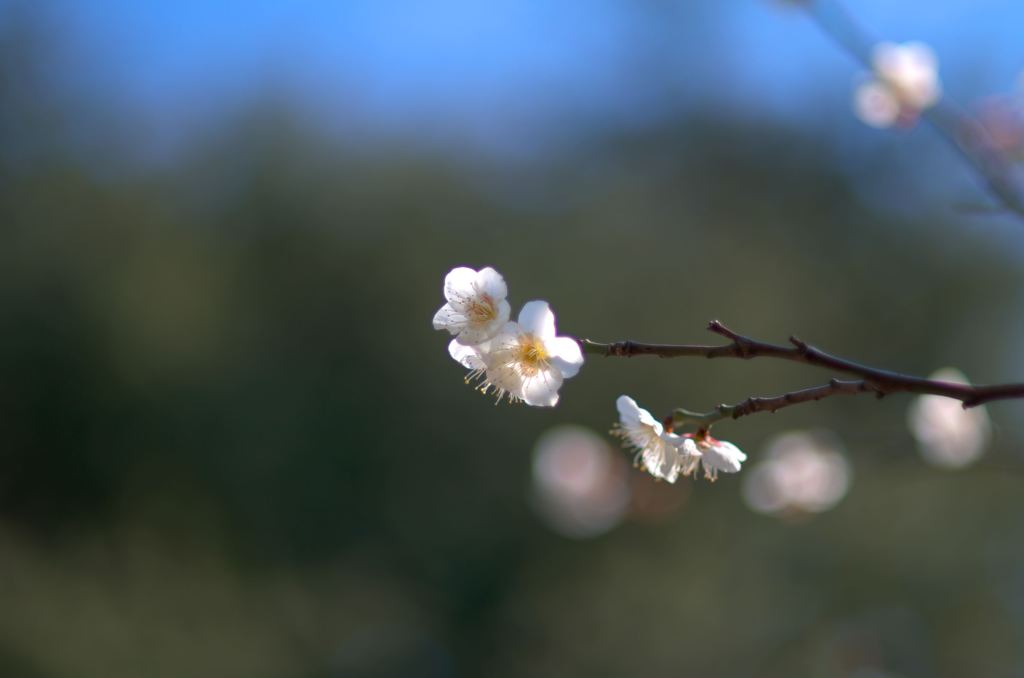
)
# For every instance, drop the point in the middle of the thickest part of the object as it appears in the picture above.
(772, 404)
(879, 381)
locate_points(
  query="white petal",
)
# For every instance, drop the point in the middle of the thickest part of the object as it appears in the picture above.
(504, 312)
(536, 318)
(447, 318)
(723, 456)
(688, 446)
(467, 356)
(689, 455)
(541, 390)
(632, 415)
(489, 282)
(565, 354)
(507, 337)
(473, 334)
(662, 459)
(505, 379)
(629, 411)
(459, 285)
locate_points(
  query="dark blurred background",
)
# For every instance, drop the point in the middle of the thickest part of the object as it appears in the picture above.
(231, 443)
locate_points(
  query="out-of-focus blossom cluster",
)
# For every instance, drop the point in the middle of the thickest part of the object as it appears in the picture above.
(801, 472)
(947, 434)
(523, 361)
(903, 83)
(665, 455)
(580, 488)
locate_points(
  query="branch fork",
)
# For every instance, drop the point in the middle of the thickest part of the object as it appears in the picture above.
(871, 379)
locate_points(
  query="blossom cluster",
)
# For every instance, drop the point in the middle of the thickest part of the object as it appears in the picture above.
(523, 361)
(904, 83)
(666, 455)
(526, 361)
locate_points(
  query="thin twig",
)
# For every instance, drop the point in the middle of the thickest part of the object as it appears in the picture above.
(753, 405)
(879, 381)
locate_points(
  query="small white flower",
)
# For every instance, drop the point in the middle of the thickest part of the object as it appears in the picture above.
(716, 455)
(905, 82)
(476, 308)
(662, 454)
(527, 361)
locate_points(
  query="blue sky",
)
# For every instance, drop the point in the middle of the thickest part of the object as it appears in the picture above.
(492, 71)
(514, 78)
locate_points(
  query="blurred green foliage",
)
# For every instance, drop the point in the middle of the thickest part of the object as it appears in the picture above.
(233, 445)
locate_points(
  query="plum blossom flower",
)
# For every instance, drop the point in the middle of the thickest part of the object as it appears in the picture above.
(905, 82)
(527, 361)
(716, 455)
(476, 308)
(661, 453)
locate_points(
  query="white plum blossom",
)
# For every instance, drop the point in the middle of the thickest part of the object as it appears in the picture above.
(661, 453)
(716, 455)
(527, 361)
(666, 455)
(904, 82)
(476, 308)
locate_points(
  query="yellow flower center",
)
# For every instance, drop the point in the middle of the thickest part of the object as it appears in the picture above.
(531, 354)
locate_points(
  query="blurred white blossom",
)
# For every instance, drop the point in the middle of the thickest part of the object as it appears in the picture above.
(904, 82)
(800, 471)
(580, 487)
(527, 361)
(947, 434)
(476, 308)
